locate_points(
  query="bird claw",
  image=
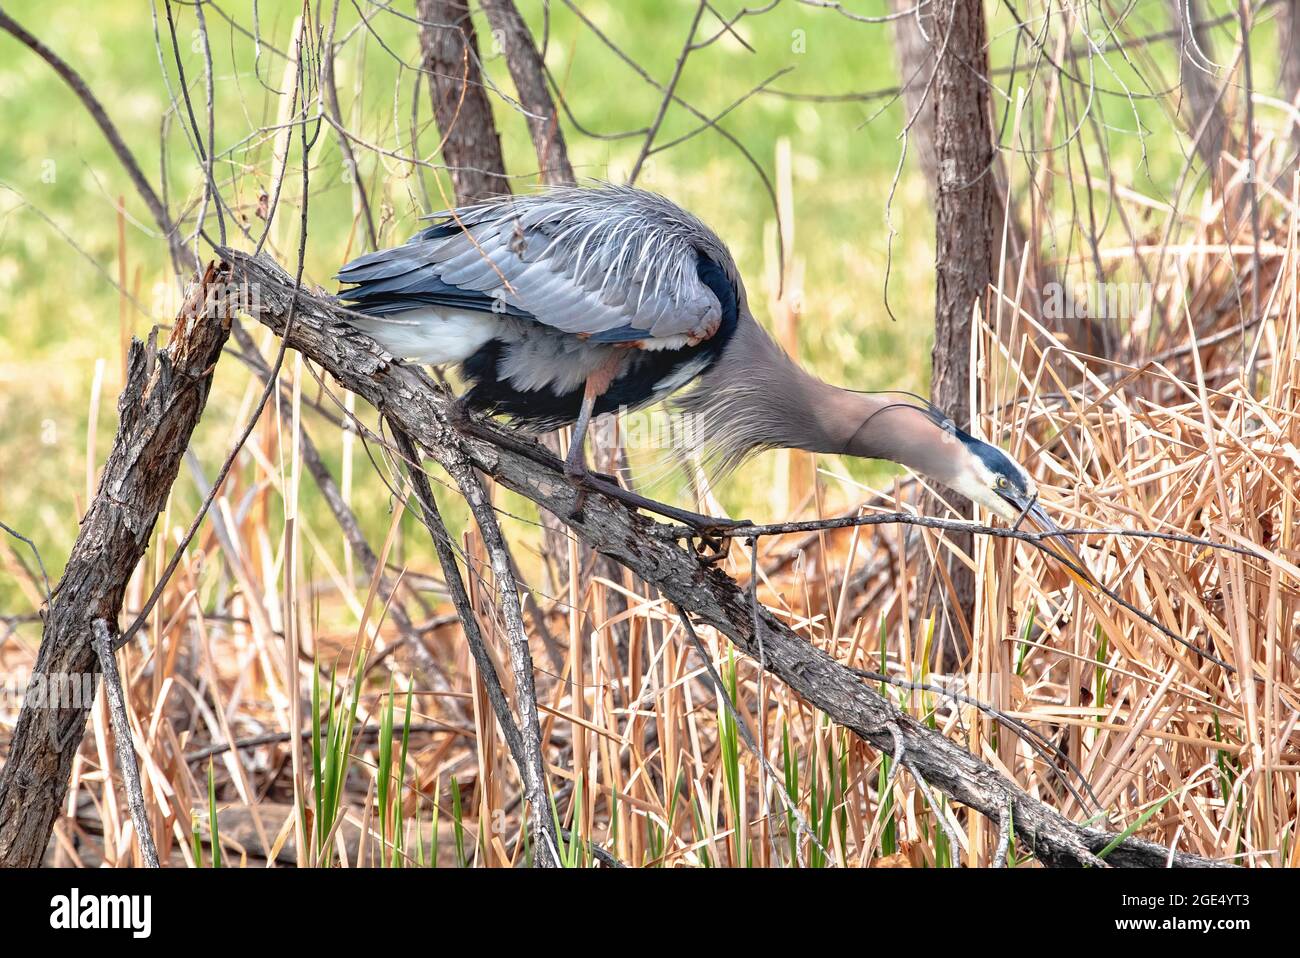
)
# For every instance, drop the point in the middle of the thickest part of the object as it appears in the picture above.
(704, 534)
(709, 550)
(459, 413)
(580, 479)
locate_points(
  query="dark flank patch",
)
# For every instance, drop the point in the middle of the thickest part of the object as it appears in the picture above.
(543, 409)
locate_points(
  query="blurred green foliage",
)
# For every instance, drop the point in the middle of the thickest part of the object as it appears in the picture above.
(60, 184)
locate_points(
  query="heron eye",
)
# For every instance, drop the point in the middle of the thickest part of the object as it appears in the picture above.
(1002, 482)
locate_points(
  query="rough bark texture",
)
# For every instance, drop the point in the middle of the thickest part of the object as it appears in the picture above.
(471, 144)
(529, 74)
(965, 207)
(158, 409)
(407, 396)
(916, 38)
(123, 744)
(471, 148)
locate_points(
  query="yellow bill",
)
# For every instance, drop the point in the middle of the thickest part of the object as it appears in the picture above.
(1061, 547)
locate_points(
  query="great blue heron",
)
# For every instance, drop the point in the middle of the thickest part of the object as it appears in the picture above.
(573, 302)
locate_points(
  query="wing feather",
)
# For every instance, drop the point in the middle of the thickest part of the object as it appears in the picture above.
(612, 263)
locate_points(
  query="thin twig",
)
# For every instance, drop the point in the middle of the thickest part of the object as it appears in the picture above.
(901, 760)
(36, 552)
(1036, 539)
(670, 90)
(256, 415)
(527, 752)
(103, 645)
(1035, 740)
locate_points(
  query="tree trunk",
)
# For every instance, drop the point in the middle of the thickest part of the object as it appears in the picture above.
(966, 210)
(471, 148)
(159, 408)
(1201, 108)
(529, 74)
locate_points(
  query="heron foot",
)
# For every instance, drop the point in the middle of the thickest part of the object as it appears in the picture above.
(705, 535)
(580, 479)
(459, 412)
(709, 550)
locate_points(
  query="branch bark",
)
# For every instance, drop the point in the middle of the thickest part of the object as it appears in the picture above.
(161, 404)
(470, 144)
(409, 398)
(525, 743)
(529, 74)
(473, 148)
(103, 645)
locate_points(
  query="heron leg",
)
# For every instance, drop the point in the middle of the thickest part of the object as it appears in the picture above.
(705, 527)
(584, 480)
(575, 463)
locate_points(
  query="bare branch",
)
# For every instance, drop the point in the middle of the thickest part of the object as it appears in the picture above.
(471, 146)
(407, 396)
(160, 405)
(529, 74)
(103, 645)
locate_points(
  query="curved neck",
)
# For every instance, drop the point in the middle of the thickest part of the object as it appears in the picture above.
(756, 398)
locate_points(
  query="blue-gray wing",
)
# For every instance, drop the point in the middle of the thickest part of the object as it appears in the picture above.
(609, 264)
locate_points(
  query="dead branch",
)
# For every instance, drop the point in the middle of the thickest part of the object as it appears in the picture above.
(164, 396)
(529, 74)
(525, 743)
(103, 645)
(409, 398)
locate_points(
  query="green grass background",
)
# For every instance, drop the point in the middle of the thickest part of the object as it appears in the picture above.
(59, 312)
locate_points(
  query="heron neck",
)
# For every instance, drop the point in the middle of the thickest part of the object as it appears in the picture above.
(876, 426)
(759, 398)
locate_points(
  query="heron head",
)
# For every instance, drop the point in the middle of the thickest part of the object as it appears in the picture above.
(989, 477)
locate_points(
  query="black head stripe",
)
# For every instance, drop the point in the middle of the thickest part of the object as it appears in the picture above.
(997, 461)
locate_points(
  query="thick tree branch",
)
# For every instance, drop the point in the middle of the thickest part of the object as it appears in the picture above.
(159, 407)
(529, 74)
(471, 147)
(409, 398)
